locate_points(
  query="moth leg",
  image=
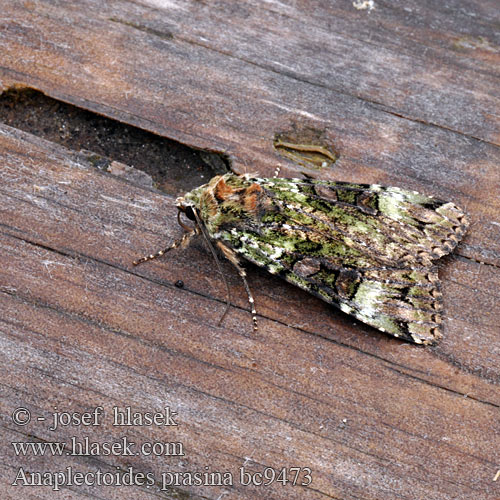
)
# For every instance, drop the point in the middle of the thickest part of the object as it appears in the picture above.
(243, 274)
(182, 242)
(233, 258)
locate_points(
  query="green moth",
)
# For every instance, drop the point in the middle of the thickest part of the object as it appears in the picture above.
(365, 248)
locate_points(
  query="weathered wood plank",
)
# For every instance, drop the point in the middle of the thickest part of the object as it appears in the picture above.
(146, 220)
(206, 98)
(407, 94)
(421, 61)
(82, 327)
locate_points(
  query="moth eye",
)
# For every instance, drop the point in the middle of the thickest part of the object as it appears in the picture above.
(189, 213)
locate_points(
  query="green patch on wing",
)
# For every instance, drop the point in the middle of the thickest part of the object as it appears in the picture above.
(367, 249)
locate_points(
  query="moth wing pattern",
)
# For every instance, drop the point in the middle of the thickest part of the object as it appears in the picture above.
(367, 249)
(426, 228)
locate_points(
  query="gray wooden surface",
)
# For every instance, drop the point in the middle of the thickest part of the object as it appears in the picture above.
(406, 94)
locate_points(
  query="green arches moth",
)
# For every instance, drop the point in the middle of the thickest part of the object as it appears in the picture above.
(367, 249)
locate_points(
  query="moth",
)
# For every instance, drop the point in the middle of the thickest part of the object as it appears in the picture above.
(367, 249)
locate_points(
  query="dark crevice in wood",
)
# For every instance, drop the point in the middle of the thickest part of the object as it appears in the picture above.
(222, 301)
(108, 144)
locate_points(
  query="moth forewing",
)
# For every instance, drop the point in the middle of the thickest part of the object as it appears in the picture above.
(367, 249)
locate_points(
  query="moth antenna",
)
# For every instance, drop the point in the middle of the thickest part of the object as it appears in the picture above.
(219, 267)
(181, 242)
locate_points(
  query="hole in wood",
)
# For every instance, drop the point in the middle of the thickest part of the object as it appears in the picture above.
(307, 146)
(111, 145)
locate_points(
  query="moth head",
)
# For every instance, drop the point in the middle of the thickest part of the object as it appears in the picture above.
(200, 201)
(192, 200)
(189, 212)
(187, 207)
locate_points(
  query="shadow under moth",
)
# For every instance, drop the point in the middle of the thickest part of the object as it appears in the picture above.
(365, 248)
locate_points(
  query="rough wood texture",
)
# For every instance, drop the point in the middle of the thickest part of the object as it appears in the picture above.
(408, 95)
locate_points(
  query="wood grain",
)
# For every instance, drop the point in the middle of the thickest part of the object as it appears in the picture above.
(408, 95)
(209, 99)
(80, 318)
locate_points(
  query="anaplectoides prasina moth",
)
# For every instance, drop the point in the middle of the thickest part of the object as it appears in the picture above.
(365, 248)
